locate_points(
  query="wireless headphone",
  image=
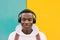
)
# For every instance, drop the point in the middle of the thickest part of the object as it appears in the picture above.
(26, 11)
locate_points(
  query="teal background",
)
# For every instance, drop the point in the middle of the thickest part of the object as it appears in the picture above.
(9, 10)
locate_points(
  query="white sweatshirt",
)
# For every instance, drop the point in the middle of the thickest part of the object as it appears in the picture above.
(23, 36)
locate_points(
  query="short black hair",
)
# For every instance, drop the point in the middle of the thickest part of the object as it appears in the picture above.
(27, 11)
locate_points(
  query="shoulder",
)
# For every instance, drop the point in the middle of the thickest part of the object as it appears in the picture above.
(11, 36)
(42, 36)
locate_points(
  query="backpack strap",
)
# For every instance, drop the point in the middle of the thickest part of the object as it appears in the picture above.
(17, 37)
(38, 37)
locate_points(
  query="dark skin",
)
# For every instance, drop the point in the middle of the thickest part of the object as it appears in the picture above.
(27, 22)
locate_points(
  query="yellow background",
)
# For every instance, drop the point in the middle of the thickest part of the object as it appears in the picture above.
(48, 17)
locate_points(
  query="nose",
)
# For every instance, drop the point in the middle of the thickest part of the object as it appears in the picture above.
(26, 21)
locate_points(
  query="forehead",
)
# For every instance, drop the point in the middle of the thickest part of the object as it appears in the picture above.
(27, 15)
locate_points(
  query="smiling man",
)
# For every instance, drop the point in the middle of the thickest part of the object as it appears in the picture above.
(26, 30)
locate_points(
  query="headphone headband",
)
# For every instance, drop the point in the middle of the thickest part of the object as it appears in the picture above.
(26, 11)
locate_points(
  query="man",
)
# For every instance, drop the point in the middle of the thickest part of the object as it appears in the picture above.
(26, 30)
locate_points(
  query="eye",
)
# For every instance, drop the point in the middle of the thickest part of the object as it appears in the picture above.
(23, 19)
(30, 19)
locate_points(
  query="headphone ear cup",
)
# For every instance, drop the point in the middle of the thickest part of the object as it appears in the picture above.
(19, 19)
(34, 20)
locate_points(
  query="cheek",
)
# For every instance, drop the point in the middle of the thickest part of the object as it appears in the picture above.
(22, 21)
(31, 22)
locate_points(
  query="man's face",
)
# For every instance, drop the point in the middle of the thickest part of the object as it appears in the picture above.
(27, 21)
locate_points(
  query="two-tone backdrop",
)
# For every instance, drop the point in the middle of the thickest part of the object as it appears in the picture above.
(47, 11)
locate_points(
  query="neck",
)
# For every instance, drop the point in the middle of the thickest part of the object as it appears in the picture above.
(27, 31)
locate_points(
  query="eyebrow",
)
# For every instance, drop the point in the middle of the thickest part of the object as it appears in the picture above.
(25, 18)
